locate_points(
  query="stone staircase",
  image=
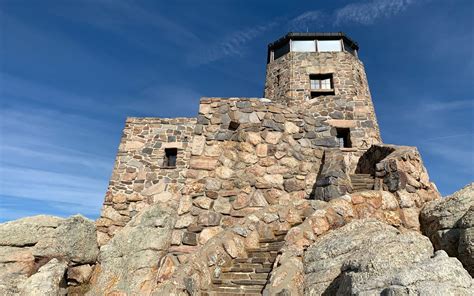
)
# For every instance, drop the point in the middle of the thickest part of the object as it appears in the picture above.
(248, 276)
(362, 182)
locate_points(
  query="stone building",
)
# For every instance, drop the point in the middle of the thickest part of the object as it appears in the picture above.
(314, 136)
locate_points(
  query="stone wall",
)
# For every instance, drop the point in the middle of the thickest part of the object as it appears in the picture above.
(139, 174)
(246, 155)
(288, 82)
(238, 156)
(241, 157)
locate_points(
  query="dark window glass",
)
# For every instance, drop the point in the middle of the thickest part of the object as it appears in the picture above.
(343, 136)
(281, 51)
(348, 48)
(170, 157)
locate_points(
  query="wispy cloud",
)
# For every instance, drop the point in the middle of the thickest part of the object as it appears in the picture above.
(118, 16)
(82, 194)
(178, 99)
(459, 156)
(436, 106)
(231, 45)
(364, 13)
(307, 20)
(49, 157)
(17, 89)
(367, 12)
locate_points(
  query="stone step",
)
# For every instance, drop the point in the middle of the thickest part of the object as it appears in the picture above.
(241, 289)
(251, 282)
(221, 293)
(277, 244)
(248, 276)
(260, 276)
(272, 240)
(240, 282)
(255, 265)
(237, 269)
(235, 275)
(362, 180)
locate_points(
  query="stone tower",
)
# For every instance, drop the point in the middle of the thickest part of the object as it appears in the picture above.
(304, 140)
(322, 71)
(214, 197)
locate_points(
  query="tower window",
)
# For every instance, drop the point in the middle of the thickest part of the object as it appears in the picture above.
(303, 45)
(329, 45)
(321, 82)
(343, 137)
(170, 157)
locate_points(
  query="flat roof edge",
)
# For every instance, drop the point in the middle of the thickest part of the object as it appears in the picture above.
(313, 35)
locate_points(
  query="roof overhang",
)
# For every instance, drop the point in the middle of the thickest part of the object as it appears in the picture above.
(313, 36)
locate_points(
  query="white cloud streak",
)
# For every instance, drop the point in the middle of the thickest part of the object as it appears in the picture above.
(231, 45)
(449, 105)
(307, 20)
(364, 13)
(118, 16)
(368, 12)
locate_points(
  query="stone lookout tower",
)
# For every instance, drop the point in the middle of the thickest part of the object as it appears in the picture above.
(313, 136)
(322, 70)
(244, 171)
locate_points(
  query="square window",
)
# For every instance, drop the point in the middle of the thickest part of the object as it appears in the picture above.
(321, 82)
(321, 85)
(171, 155)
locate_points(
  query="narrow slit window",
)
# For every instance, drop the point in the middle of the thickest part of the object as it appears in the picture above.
(170, 157)
(343, 137)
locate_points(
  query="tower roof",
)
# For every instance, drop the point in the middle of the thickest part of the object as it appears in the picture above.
(313, 35)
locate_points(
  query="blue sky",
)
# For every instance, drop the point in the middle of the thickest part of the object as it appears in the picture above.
(72, 71)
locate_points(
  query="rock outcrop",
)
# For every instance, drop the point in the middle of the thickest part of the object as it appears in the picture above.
(449, 223)
(128, 264)
(28, 244)
(49, 280)
(367, 257)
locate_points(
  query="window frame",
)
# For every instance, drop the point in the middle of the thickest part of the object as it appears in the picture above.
(341, 46)
(320, 78)
(314, 48)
